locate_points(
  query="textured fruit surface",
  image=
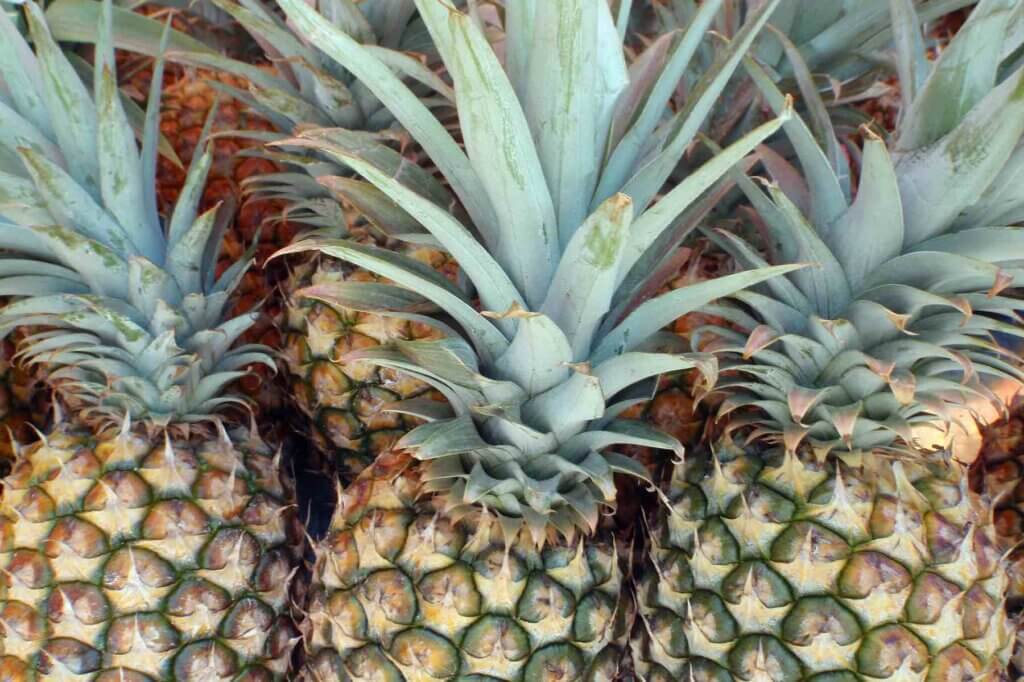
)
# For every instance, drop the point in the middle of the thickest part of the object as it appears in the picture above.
(795, 570)
(404, 593)
(134, 558)
(346, 401)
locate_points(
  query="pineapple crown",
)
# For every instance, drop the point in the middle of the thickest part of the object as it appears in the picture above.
(837, 37)
(132, 317)
(310, 89)
(892, 328)
(566, 149)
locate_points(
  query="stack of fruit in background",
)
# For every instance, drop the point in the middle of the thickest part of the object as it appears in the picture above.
(511, 340)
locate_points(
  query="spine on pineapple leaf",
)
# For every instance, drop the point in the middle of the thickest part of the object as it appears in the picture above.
(141, 537)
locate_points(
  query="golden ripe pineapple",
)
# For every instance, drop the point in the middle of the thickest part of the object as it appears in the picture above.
(826, 536)
(143, 537)
(479, 549)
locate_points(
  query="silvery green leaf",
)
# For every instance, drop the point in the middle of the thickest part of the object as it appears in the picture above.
(564, 409)
(648, 180)
(73, 206)
(187, 205)
(410, 67)
(406, 107)
(654, 314)
(622, 371)
(989, 244)
(828, 201)
(538, 356)
(583, 286)
(38, 285)
(487, 339)
(624, 158)
(102, 269)
(649, 225)
(620, 432)
(940, 181)
(120, 172)
(154, 141)
(911, 59)
(75, 21)
(573, 81)
(497, 292)
(963, 74)
(72, 112)
(937, 272)
(20, 71)
(780, 288)
(148, 283)
(497, 139)
(444, 438)
(823, 282)
(818, 114)
(871, 231)
(373, 204)
(185, 257)
(16, 132)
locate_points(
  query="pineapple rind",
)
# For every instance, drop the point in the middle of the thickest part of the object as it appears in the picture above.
(112, 566)
(401, 592)
(880, 568)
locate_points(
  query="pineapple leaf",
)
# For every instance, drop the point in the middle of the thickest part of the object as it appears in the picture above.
(101, 268)
(650, 225)
(16, 132)
(120, 172)
(185, 258)
(497, 292)
(622, 371)
(624, 158)
(940, 181)
(828, 201)
(584, 284)
(185, 209)
(22, 77)
(965, 71)
(406, 107)
(563, 409)
(486, 338)
(871, 231)
(654, 314)
(539, 356)
(73, 206)
(498, 142)
(648, 179)
(988, 244)
(75, 21)
(587, 64)
(621, 432)
(148, 284)
(372, 204)
(911, 59)
(72, 111)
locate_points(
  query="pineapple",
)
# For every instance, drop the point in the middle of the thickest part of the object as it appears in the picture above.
(140, 539)
(475, 549)
(343, 403)
(838, 540)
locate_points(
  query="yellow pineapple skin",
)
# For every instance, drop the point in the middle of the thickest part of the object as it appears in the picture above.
(132, 557)
(346, 401)
(795, 569)
(403, 593)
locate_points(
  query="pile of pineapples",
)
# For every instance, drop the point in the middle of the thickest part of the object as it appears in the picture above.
(603, 340)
